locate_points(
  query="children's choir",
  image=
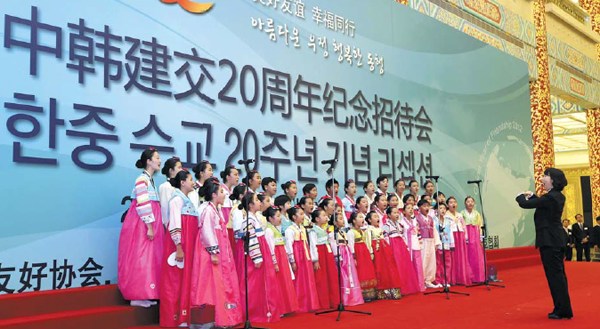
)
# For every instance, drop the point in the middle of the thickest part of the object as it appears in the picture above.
(229, 243)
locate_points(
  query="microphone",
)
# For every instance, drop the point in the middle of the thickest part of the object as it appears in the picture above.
(436, 177)
(329, 162)
(245, 162)
(474, 181)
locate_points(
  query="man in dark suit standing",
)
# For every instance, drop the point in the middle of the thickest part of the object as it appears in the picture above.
(569, 239)
(550, 238)
(581, 235)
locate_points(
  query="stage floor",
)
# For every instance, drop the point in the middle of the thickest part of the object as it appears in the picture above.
(524, 303)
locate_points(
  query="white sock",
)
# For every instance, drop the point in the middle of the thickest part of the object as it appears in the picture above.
(141, 303)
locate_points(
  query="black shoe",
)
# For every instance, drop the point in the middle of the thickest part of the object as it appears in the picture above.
(558, 317)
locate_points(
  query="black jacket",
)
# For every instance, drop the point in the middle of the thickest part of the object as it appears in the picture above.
(595, 236)
(549, 231)
(579, 234)
(568, 236)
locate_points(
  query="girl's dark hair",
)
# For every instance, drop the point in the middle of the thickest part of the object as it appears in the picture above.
(330, 182)
(306, 189)
(451, 198)
(315, 214)
(146, 155)
(227, 172)
(367, 184)
(270, 212)
(436, 194)
(369, 215)
(427, 182)
(398, 182)
(406, 197)
(292, 212)
(347, 183)
(303, 200)
(179, 177)
(388, 211)
(381, 179)
(169, 164)
(406, 205)
(390, 196)
(250, 175)
(211, 186)
(353, 216)
(246, 201)
(266, 181)
(237, 191)
(200, 167)
(261, 197)
(281, 200)
(469, 197)
(377, 198)
(412, 181)
(324, 203)
(441, 204)
(359, 199)
(287, 185)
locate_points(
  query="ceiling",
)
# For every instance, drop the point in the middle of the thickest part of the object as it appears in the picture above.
(570, 132)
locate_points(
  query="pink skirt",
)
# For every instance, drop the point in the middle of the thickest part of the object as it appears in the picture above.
(417, 261)
(216, 287)
(475, 253)
(140, 259)
(264, 298)
(351, 292)
(461, 272)
(385, 266)
(175, 282)
(440, 276)
(306, 288)
(285, 281)
(406, 270)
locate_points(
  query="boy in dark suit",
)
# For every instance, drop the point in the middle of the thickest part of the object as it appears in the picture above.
(581, 235)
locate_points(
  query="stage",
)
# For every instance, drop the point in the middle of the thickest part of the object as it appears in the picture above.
(524, 303)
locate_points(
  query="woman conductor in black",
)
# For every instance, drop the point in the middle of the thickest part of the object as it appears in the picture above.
(549, 238)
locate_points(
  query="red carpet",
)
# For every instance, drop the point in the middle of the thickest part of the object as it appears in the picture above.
(524, 303)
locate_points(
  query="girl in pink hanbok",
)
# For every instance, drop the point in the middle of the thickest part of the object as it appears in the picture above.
(289, 300)
(296, 246)
(388, 279)
(215, 286)
(351, 292)
(475, 251)
(364, 264)
(178, 257)
(264, 297)
(461, 272)
(141, 238)
(412, 237)
(393, 232)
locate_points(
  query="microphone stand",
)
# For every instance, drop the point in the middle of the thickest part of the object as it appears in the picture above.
(486, 282)
(247, 324)
(446, 290)
(340, 308)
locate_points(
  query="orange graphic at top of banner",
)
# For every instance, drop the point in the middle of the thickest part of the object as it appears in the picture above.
(191, 6)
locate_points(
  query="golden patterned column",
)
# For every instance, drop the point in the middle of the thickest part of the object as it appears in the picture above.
(593, 126)
(593, 118)
(404, 2)
(541, 114)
